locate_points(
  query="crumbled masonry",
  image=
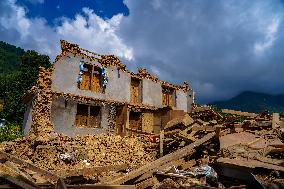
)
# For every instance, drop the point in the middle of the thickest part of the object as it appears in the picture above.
(241, 144)
(201, 148)
(102, 150)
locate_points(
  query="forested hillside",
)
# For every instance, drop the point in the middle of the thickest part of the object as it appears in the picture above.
(254, 102)
(19, 72)
(10, 57)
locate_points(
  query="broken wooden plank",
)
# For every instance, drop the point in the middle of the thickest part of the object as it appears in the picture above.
(6, 186)
(186, 120)
(240, 113)
(203, 128)
(46, 174)
(171, 175)
(147, 183)
(90, 171)
(187, 137)
(249, 163)
(60, 184)
(5, 170)
(8, 170)
(187, 150)
(149, 174)
(101, 186)
(23, 176)
(18, 183)
(185, 131)
(170, 133)
(161, 143)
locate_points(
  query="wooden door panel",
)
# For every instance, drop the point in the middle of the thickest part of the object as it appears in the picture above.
(85, 84)
(96, 83)
(121, 118)
(135, 91)
(135, 121)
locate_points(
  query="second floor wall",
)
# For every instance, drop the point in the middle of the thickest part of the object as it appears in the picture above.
(65, 79)
(118, 87)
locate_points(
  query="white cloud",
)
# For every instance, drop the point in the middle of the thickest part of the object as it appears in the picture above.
(270, 33)
(92, 32)
(86, 29)
(215, 45)
(17, 20)
(221, 47)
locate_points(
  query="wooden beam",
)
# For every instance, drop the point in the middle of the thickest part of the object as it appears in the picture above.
(240, 113)
(147, 183)
(187, 137)
(21, 175)
(91, 79)
(101, 186)
(60, 184)
(18, 183)
(46, 174)
(88, 118)
(150, 173)
(6, 186)
(185, 151)
(172, 132)
(93, 170)
(203, 128)
(161, 143)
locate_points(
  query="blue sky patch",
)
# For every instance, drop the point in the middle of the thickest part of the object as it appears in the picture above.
(52, 9)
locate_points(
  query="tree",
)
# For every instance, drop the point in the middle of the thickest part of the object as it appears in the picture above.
(15, 84)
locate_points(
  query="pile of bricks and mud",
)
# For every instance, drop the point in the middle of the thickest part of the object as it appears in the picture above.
(228, 149)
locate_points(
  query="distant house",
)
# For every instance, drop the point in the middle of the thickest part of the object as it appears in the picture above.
(2, 122)
(118, 100)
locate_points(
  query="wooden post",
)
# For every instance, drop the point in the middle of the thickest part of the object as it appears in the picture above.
(91, 79)
(88, 118)
(275, 120)
(161, 143)
(218, 130)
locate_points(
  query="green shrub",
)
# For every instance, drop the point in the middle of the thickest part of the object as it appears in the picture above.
(10, 131)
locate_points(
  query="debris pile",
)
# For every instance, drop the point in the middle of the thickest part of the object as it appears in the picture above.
(206, 148)
(64, 153)
(42, 125)
(247, 146)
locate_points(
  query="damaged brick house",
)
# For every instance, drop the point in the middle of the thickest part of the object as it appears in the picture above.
(117, 100)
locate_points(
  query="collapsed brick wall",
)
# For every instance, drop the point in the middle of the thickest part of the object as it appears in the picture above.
(112, 117)
(41, 119)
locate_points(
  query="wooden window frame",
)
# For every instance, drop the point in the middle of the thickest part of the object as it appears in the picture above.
(172, 93)
(139, 97)
(139, 114)
(88, 117)
(91, 87)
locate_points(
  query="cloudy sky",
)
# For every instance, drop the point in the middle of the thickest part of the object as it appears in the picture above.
(221, 47)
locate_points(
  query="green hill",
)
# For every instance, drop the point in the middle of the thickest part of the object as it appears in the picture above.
(10, 57)
(18, 73)
(253, 102)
